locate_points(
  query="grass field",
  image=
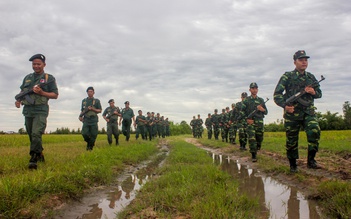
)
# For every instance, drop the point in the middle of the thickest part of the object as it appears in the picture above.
(70, 170)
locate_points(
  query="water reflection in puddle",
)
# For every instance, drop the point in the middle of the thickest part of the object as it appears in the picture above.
(277, 200)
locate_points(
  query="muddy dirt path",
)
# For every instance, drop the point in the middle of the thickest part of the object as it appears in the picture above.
(333, 167)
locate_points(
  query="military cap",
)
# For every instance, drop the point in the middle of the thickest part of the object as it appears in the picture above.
(300, 54)
(37, 56)
(148, 113)
(209, 114)
(243, 94)
(233, 104)
(139, 111)
(216, 110)
(90, 88)
(127, 102)
(111, 100)
(253, 85)
(198, 114)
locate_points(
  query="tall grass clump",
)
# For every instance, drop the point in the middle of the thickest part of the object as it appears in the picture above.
(191, 185)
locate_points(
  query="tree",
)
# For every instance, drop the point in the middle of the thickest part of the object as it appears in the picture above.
(21, 131)
(347, 114)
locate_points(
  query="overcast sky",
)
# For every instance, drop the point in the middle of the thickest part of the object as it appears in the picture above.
(179, 58)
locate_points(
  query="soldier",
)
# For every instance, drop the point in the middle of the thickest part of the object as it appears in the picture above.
(193, 126)
(127, 116)
(168, 132)
(35, 115)
(233, 116)
(89, 109)
(111, 115)
(141, 123)
(241, 125)
(215, 118)
(255, 126)
(153, 126)
(298, 115)
(149, 120)
(224, 123)
(199, 128)
(208, 124)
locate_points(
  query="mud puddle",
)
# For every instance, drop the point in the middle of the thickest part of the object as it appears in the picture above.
(107, 202)
(276, 199)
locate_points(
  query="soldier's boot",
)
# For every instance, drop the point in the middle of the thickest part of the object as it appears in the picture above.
(293, 166)
(226, 139)
(117, 143)
(231, 140)
(234, 142)
(33, 161)
(258, 147)
(311, 162)
(254, 156)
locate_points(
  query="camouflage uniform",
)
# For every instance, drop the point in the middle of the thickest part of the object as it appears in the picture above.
(215, 118)
(193, 126)
(303, 116)
(198, 127)
(241, 124)
(149, 120)
(224, 123)
(233, 116)
(208, 124)
(254, 131)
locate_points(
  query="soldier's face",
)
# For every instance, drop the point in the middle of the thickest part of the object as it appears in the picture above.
(38, 66)
(254, 91)
(112, 104)
(301, 64)
(90, 93)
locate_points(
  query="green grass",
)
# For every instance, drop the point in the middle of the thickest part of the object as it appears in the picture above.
(68, 171)
(190, 185)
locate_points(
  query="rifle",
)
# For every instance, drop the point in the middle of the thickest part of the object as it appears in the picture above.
(25, 94)
(255, 111)
(86, 109)
(299, 94)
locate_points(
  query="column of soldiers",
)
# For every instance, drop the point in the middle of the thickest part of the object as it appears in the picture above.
(148, 127)
(244, 118)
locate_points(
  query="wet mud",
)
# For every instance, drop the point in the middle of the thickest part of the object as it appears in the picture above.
(276, 199)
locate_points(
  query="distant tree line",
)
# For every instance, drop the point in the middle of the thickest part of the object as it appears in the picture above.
(327, 121)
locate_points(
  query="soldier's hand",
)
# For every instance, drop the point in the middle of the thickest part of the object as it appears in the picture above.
(310, 90)
(18, 104)
(289, 109)
(81, 118)
(250, 121)
(37, 89)
(260, 108)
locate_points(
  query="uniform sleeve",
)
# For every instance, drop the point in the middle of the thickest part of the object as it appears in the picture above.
(52, 87)
(278, 94)
(317, 88)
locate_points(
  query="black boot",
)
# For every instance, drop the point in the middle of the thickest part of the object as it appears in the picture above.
(33, 162)
(117, 143)
(254, 158)
(293, 166)
(311, 162)
(40, 157)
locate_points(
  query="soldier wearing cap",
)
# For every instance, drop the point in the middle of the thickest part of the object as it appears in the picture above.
(224, 124)
(36, 107)
(168, 131)
(255, 126)
(299, 115)
(111, 115)
(241, 125)
(126, 120)
(233, 122)
(141, 125)
(90, 107)
(215, 118)
(193, 126)
(198, 127)
(208, 124)
(149, 120)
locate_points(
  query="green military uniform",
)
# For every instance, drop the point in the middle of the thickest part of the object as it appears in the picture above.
(241, 124)
(208, 124)
(198, 127)
(141, 127)
(215, 118)
(36, 114)
(168, 132)
(233, 120)
(90, 121)
(149, 120)
(112, 124)
(303, 116)
(255, 131)
(224, 124)
(193, 126)
(127, 115)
